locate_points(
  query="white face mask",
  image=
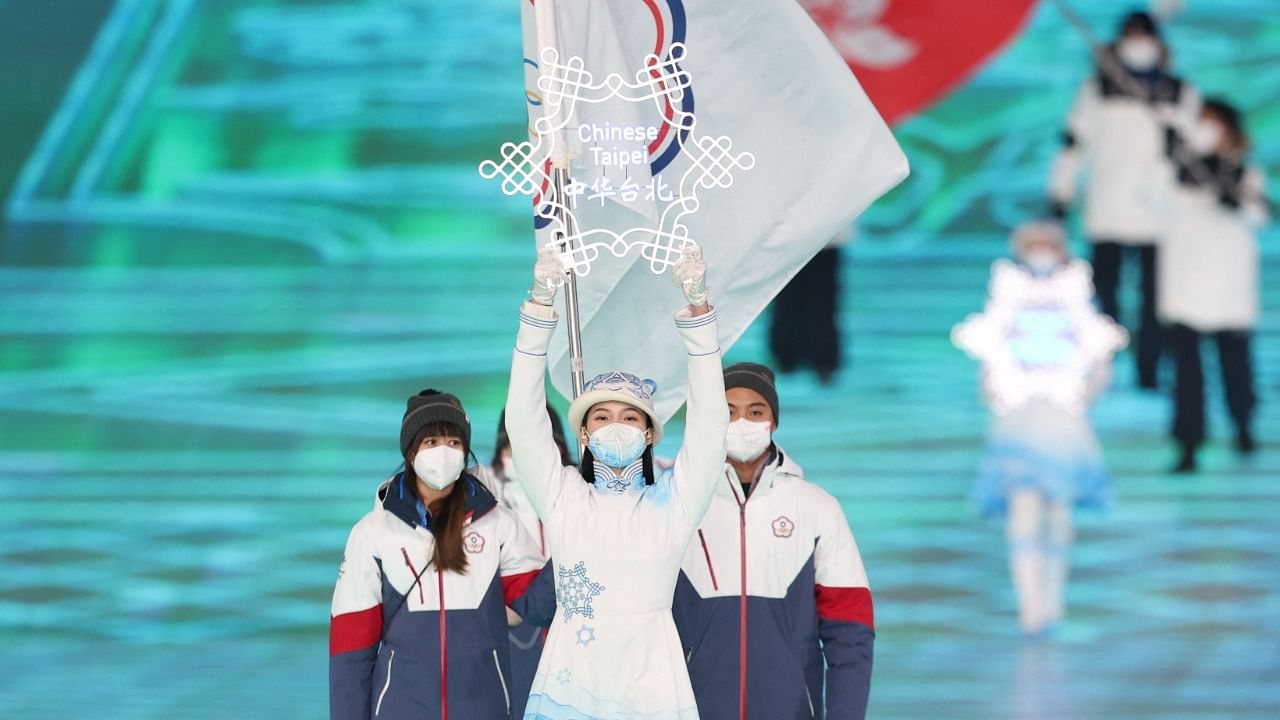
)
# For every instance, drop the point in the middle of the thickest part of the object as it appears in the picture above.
(617, 445)
(1042, 262)
(1139, 54)
(1204, 137)
(439, 467)
(746, 440)
(509, 469)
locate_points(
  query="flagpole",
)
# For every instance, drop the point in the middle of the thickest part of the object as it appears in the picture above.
(559, 175)
(548, 37)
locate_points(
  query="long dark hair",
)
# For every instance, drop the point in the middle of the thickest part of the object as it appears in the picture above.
(447, 513)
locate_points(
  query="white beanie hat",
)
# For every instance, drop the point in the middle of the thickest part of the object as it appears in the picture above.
(616, 386)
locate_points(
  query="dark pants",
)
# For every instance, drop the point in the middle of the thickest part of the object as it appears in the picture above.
(803, 332)
(1108, 257)
(1188, 389)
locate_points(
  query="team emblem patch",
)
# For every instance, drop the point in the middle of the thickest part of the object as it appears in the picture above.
(783, 527)
(473, 543)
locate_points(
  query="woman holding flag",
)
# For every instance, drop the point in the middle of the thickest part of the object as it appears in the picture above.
(616, 528)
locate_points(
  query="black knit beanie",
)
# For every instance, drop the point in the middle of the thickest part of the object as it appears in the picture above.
(1141, 22)
(432, 406)
(753, 376)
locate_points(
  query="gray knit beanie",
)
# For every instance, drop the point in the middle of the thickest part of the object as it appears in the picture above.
(431, 406)
(753, 376)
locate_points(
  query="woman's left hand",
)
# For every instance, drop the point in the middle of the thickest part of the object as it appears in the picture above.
(690, 275)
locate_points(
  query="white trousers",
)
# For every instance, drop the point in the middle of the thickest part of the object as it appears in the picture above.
(1040, 534)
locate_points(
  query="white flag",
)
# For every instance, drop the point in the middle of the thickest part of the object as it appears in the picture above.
(762, 74)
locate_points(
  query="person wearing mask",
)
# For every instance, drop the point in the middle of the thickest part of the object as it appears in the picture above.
(1115, 135)
(772, 604)
(1209, 272)
(616, 527)
(500, 476)
(1046, 355)
(419, 624)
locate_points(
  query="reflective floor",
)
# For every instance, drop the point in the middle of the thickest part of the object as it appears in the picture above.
(216, 293)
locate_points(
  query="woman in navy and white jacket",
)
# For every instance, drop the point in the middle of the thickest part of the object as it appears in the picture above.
(419, 621)
(772, 604)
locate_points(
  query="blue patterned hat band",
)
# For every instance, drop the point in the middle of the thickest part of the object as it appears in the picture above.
(616, 386)
(626, 382)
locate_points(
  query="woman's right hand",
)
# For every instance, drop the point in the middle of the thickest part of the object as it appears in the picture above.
(548, 276)
(690, 275)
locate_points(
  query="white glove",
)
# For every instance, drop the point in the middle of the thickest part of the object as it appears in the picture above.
(690, 274)
(548, 276)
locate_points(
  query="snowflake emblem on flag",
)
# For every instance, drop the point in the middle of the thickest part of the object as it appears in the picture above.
(575, 591)
(1040, 337)
(524, 168)
(586, 635)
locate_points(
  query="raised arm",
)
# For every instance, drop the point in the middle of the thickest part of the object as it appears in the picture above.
(701, 460)
(533, 447)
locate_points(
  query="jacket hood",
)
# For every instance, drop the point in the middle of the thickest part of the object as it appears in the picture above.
(779, 466)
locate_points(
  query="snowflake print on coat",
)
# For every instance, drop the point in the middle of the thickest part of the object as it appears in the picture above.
(575, 591)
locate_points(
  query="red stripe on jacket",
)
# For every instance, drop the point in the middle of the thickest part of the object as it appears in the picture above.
(355, 630)
(851, 604)
(513, 586)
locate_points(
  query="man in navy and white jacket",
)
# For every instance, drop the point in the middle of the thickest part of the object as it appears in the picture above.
(772, 601)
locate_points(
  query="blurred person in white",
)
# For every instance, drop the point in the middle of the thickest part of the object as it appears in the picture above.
(1209, 272)
(1045, 355)
(1114, 134)
(526, 638)
(804, 331)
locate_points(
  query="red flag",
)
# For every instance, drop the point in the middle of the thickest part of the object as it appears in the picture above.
(909, 53)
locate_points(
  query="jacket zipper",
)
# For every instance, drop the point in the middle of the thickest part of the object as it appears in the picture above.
(385, 685)
(742, 611)
(417, 579)
(707, 554)
(502, 679)
(444, 644)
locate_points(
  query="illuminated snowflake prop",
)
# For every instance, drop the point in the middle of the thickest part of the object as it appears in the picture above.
(1039, 338)
(524, 167)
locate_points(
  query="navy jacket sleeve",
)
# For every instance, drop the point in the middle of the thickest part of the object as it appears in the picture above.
(846, 623)
(848, 649)
(537, 606)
